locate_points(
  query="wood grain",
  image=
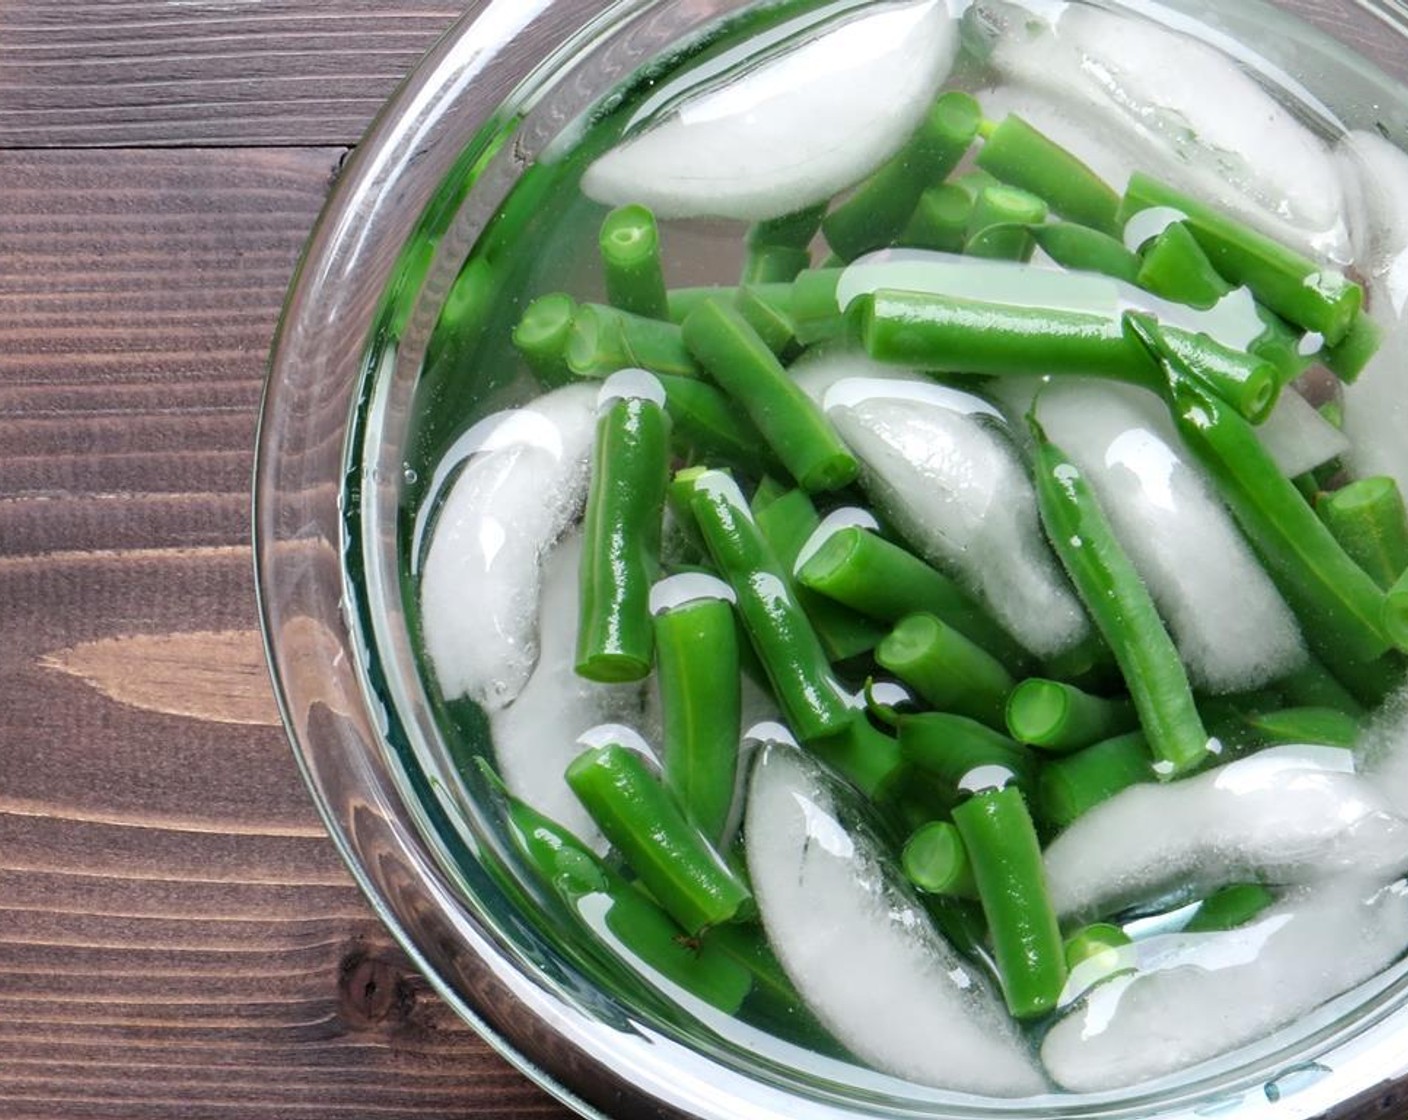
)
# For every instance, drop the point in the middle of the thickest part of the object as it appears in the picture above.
(178, 938)
(205, 72)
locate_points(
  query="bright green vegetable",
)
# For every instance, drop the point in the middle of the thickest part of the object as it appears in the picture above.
(621, 540)
(1368, 519)
(783, 638)
(774, 326)
(869, 574)
(1084, 249)
(630, 257)
(940, 220)
(1072, 785)
(1395, 612)
(1175, 267)
(541, 336)
(1005, 855)
(672, 858)
(1018, 154)
(1100, 942)
(878, 210)
(697, 674)
(1349, 357)
(947, 669)
(948, 747)
(1229, 908)
(935, 861)
(1059, 717)
(999, 224)
(1325, 726)
(705, 425)
(1121, 608)
(1294, 286)
(604, 340)
(750, 373)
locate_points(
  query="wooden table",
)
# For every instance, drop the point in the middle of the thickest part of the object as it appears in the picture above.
(177, 936)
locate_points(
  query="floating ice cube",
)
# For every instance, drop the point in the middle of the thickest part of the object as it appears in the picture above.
(1382, 751)
(1232, 628)
(820, 368)
(1298, 437)
(1189, 114)
(541, 731)
(793, 129)
(1288, 814)
(524, 482)
(1201, 995)
(952, 484)
(860, 950)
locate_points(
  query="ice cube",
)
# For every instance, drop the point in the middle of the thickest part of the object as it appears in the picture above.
(859, 948)
(951, 483)
(1233, 630)
(1289, 814)
(1298, 437)
(1188, 113)
(523, 482)
(1201, 995)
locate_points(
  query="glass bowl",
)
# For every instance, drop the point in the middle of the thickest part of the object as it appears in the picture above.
(335, 456)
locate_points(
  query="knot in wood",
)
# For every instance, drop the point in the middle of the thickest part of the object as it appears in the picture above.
(372, 991)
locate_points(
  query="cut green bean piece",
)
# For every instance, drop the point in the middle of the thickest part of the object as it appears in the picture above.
(1084, 249)
(1059, 717)
(621, 540)
(684, 300)
(774, 327)
(604, 340)
(880, 579)
(541, 337)
(630, 256)
(1005, 855)
(775, 264)
(1349, 357)
(877, 211)
(576, 874)
(947, 669)
(814, 308)
(949, 746)
(862, 754)
(642, 820)
(999, 224)
(940, 220)
(697, 673)
(1229, 908)
(1100, 943)
(1313, 686)
(1175, 267)
(778, 628)
(1368, 519)
(1340, 608)
(787, 523)
(1072, 785)
(936, 862)
(1395, 616)
(1018, 154)
(1294, 286)
(796, 230)
(947, 334)
(750, 373)
(1327, 727)
(1123, 611)
(705, 425)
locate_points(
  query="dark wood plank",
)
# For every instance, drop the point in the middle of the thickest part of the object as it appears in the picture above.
(178, 938)
(129, 72)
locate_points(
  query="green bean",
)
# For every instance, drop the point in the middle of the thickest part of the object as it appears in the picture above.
(1072, 785)
(947, 334)
(1368, 519)
(788, 523)
(1100, 942)
(1328, 727)
(750, 373)
(705, 425)
(1018, 154)
(861, 753)
(1122, 609)
(541, 337)
(948, 747)
(1340, 607)
(1229, 908)
(684, 300)
(621, 540)
(1002, 847)
(1000, 221)
(774, 264)
(1059, 717)
(940, 220)
(876, 212)
(642, 820)
(778, 249)
(1175, 267)
(869, 574)
(1313, 686)
(1395, 612)
(697, 674)
(796, 665)
(575, 874)
(947, 669)
(604, 340)
(1293, 286)
(1084, 249)
(935, 861)
(814, 307)
(1349, 357)
(630, 257)
(774, 326)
